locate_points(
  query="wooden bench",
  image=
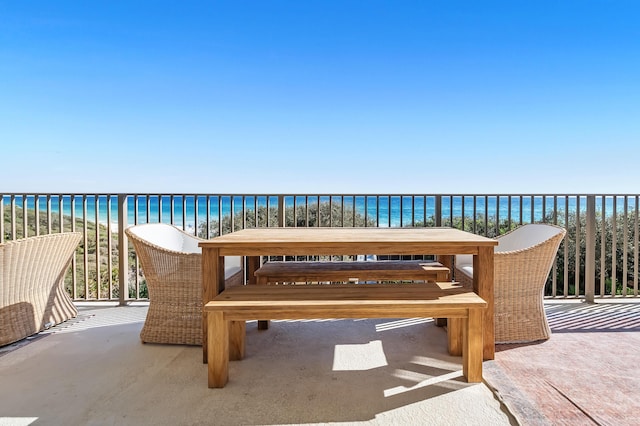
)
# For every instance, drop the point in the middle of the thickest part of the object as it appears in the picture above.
(383, 270)
(227, 313)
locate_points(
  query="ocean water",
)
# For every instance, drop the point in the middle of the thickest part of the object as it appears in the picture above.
(387, 210)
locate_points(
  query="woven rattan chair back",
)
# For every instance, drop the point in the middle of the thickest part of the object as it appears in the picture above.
(170, 260)
(523, 260)
(32, 293)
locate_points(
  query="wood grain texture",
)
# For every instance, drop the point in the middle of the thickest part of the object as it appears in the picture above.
(342, 301)
(256, 242)
(348, 271)
(218, 358)
(346, 241)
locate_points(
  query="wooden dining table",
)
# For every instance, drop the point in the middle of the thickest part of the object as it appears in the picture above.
(280, 241)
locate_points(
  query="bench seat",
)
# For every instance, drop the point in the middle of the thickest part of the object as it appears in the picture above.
(227, 313)
(383, 270)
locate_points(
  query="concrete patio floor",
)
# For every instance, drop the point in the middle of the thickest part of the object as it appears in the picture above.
(94, 370)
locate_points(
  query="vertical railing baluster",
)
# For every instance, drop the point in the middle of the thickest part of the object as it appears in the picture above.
(509, 201)
(462, 211)
(183, 211)
(625, 245)
(486, 215)
(590, 250)
(554, 282)
(14, 228)
(635, 247)
(244, 212)
(85, 253)
(109, 247)
(497, 224)
(614, 246)
(576, 280)
(451, 202)
(532, 209)
(172, 212)
(2, 239)
(366, 210)
(520, 208)
(219, 197)
(49, 225)
(565, 290)
(424, 210)
(603, 248)
(72, 206)
(97, 254)
(25, 219)
(196, 207)
(123, 250)
(36, 213)
(281, 211)
(136, 219)
(61, 212)
(475, 214)
(207, 232)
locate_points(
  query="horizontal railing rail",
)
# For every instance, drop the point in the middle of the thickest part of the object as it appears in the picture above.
(598, 258)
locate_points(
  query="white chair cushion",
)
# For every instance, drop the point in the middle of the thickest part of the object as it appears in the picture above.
(171, 238)
(464, 260)
(526, 236)
(519, 239)
(467, 270)
(231, 265)
(167, 237)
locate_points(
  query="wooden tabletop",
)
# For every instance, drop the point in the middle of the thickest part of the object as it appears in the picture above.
(307, 241)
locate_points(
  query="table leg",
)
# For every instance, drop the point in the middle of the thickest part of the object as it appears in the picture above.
(483, 286)
(446, 261)
(254, 264)
(212, 285)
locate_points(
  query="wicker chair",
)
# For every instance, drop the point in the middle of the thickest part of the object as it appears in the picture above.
(170, 260)
(32, 294)
(522, 262)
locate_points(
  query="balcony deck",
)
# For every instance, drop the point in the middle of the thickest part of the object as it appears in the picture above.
(94, 370)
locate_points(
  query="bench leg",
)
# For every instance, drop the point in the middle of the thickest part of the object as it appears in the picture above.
(454, 335)
(440, 322)
(442, 276)
(472, 346)
(237, 333)
(217, 349)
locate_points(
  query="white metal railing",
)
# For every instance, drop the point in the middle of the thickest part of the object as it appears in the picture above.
(597, 259)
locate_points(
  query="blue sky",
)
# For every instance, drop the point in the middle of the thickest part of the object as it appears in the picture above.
(320, 96)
